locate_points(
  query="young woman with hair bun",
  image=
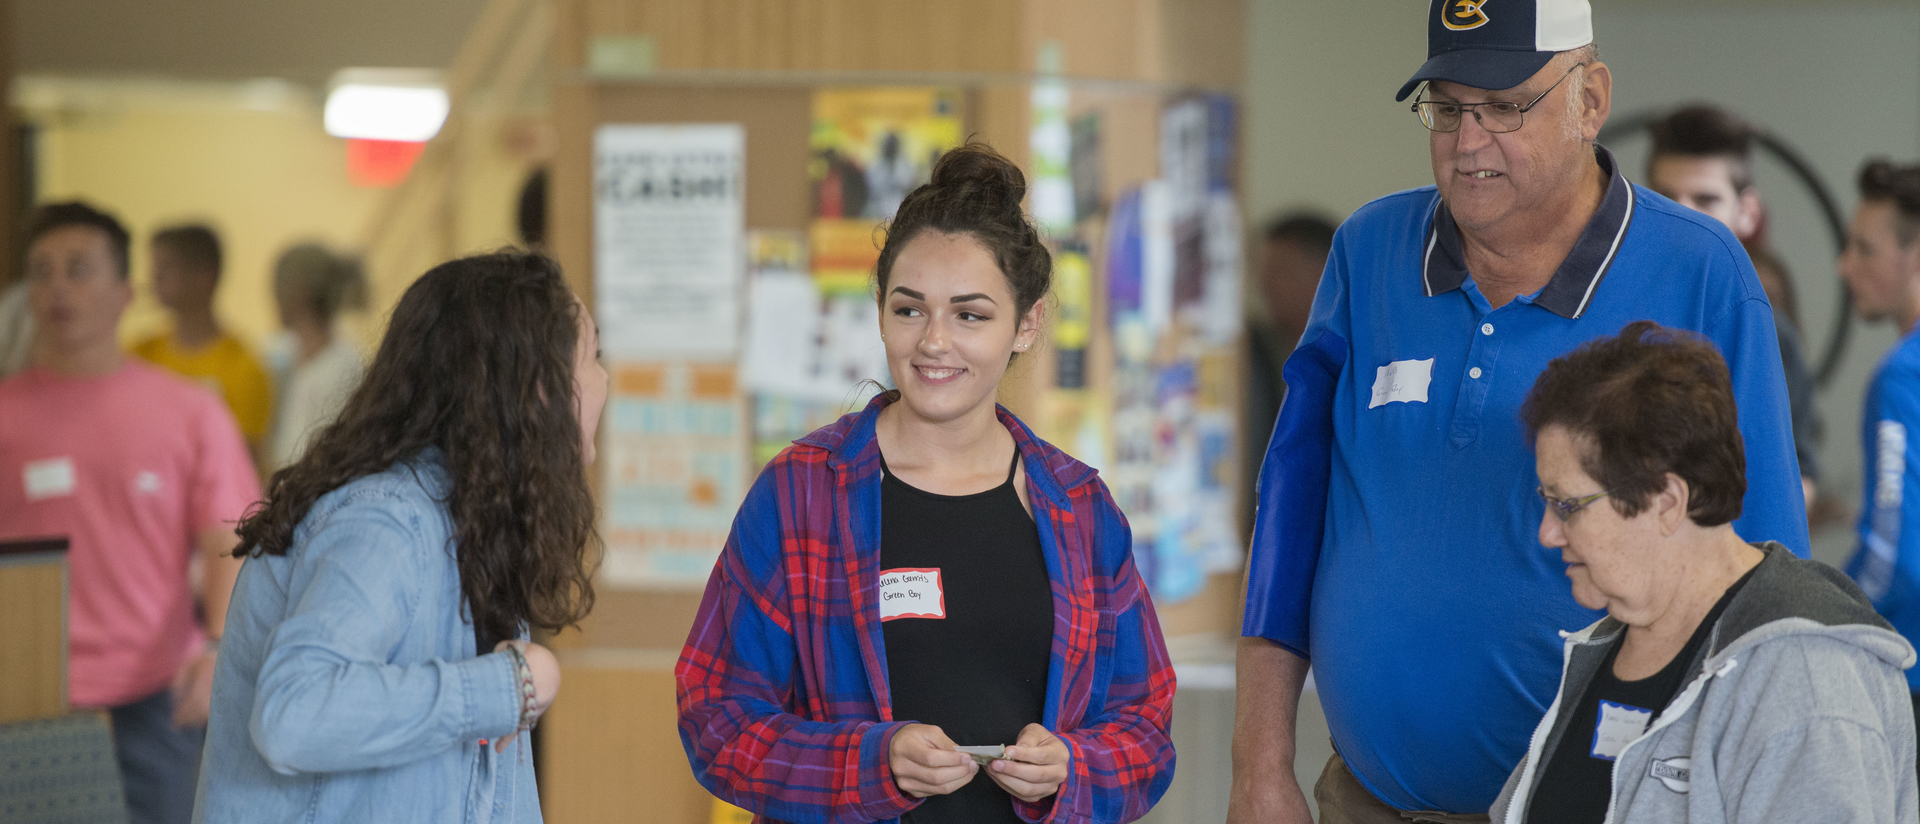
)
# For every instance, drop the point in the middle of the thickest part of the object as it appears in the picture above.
(926, 575)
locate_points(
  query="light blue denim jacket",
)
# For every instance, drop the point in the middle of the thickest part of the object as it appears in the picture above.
(347, 689)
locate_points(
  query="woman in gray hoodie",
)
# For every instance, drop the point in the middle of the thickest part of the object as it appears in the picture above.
(1730, 681)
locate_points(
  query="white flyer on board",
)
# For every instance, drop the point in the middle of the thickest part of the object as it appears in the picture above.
(669, 213)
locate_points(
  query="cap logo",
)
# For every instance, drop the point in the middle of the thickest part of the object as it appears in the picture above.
(1463, 15)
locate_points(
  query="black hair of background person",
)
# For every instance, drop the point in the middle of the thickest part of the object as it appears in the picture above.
(1705, 130)
(1312, 230)
(530, 213)
(478, 361)
(1271, 339)
(53, 216)
(195, 243)
(1881, 180)
(975, 191)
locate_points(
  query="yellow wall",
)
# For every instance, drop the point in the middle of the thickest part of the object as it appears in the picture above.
(250, 158)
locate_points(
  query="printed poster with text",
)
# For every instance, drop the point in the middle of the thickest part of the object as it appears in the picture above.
(870, 147)
(669, 215)
(674, 449)
(669, 261)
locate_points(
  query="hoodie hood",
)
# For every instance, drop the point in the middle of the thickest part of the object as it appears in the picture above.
(1796, 596)
(1789, 596)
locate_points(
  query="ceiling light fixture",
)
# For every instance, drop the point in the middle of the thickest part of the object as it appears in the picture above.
(386, 104)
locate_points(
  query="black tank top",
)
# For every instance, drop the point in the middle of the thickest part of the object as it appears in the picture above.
(980, 672)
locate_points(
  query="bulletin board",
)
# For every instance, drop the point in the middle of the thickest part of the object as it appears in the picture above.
(768, 82)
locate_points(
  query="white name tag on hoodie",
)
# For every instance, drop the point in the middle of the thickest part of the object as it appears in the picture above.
(1619, 724)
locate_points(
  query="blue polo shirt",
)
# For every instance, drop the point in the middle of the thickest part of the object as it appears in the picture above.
(1887, 563)
(1396, 543)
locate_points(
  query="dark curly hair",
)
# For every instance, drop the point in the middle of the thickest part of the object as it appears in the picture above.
(975, 192)
(1650, 400)
(478, 362)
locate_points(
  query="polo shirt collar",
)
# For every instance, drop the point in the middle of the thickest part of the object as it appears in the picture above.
(1444, 267)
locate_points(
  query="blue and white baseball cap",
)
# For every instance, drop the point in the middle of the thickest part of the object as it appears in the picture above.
(1498, 44)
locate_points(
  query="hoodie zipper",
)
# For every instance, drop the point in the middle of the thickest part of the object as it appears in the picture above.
(1680, 706)
(1523, 792)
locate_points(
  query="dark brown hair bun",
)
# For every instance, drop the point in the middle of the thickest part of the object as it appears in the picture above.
(975, 191)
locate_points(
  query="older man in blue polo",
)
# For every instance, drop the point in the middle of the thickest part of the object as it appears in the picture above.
(1395, 546)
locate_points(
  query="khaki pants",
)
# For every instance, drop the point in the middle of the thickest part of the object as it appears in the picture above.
(1343, 800)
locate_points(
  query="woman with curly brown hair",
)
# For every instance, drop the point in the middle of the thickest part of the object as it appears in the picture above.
(375, 666)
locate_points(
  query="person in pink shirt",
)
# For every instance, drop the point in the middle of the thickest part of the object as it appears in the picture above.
(146, 475)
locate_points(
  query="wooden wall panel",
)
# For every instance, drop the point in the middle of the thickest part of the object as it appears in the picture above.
(1202, 43)
(818, 35)
(11, 173)
(33, 650)
(611, 746)
(633, 619)
(1105, 39)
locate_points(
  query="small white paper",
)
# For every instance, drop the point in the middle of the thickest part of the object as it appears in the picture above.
(51, 478)
(783, 334)
(911, 593)
(1619, 724)
(1404, 380)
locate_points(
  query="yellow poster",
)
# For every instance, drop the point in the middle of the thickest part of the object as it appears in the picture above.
(870, 147)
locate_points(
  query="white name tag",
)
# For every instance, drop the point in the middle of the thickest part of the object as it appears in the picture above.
(1619, 724)
(51, 478)
(911, 593)
(1402, 380)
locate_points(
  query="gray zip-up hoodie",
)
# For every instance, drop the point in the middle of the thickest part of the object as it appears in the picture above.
(1798, 712)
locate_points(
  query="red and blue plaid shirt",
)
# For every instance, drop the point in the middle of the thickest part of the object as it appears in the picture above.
(784, 703)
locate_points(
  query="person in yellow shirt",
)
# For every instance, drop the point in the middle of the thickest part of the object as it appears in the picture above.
(186, 271)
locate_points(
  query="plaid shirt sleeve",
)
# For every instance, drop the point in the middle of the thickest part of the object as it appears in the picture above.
(1122, 758)
(737, 677)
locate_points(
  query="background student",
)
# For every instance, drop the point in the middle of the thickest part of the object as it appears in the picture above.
(186, 274)
(145, 474)
(1703, 159)
(311, 286)
(1881, 266)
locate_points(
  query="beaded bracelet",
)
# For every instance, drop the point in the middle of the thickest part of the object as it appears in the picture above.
(523, 677)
